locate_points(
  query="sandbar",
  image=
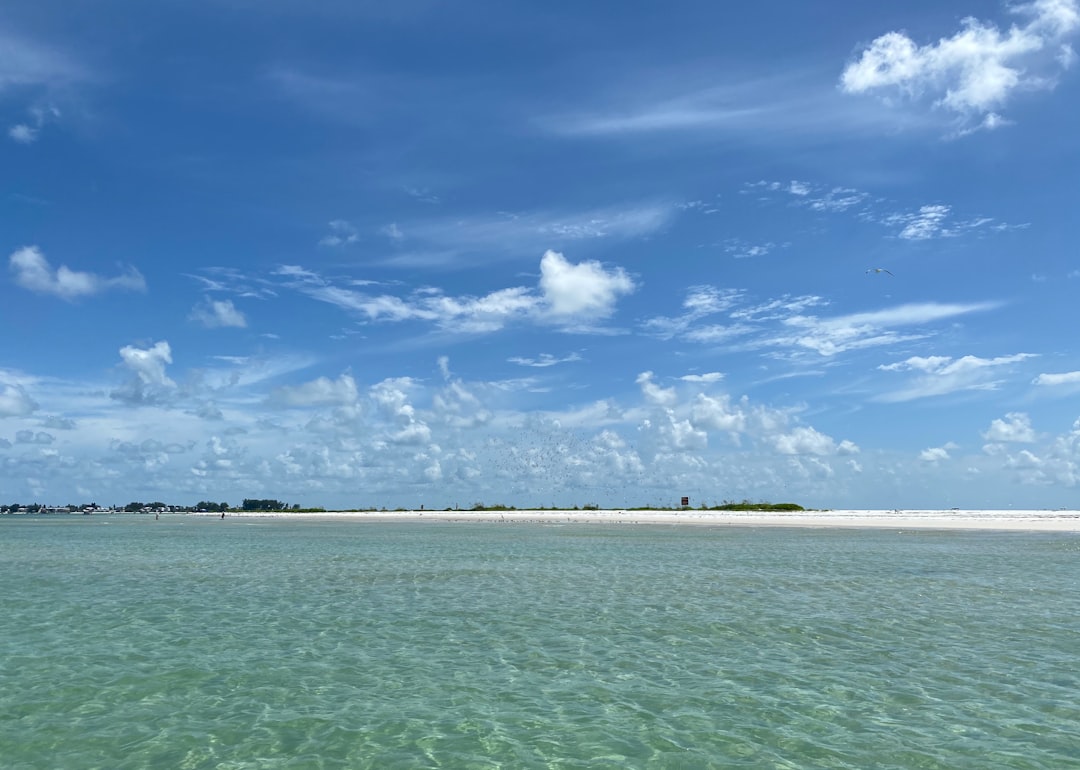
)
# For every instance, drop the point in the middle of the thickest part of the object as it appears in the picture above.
(954, 519)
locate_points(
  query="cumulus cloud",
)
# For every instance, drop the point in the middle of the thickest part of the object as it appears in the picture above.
(30, 437)
(937, 454)
(1053, 380)
(804, 440)
(1014, 428)
(149, 383)
(320, 392)
(718, 413)
(32, 271)
(976, 71)
(654, 393)
(213, 314)
(15, 401)
(585, 289)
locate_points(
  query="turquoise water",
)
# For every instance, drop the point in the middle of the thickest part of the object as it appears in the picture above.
(199, 643)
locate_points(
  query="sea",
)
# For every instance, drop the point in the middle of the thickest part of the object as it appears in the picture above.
(195, 642)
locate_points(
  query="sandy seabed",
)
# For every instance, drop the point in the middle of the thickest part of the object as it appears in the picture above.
(1033, 520)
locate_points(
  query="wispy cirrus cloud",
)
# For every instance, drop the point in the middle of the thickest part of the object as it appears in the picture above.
(567, 295)
(793, 106)
(700, 302)
(458, 240)
(816, 197)
(463, 240)
(27, 62)
(32, 271)
(545, 360)
(927, 222)
(830, 336)
(975, 72)
(786, 325)
(41, 77)
(942, 375)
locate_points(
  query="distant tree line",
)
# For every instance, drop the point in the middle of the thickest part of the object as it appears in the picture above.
(264, 505)
(155, 506)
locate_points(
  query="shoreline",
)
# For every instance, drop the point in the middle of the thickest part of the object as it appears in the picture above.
(1000, 520)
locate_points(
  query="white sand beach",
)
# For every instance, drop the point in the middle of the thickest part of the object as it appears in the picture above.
(1026, 520)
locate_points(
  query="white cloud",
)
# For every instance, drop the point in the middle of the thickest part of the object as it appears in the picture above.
(149, 363)
(804, 440)
(1014, 428)
(942, 375)
(585, 289)
(934, 221)
(544, 360)
(829, 336)
(784, 323)
(342, 233)
(15, 401)
(976, 71)
(28, 133)
(27, 63)
(700, 302)
(32, 271)
(23, 134)
(937, 454)
(655, 394)
(319, 392)
(149, 383)
(814, 197)
(708, 377)
(924, 224)
(568, 294)
(217, 313)
(506, 235)
(1053, 380)
(717, 413)
(694, 102)
(740, 249)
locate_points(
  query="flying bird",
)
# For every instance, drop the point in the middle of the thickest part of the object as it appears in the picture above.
(877, 270)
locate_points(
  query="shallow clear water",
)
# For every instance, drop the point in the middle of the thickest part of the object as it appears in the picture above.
(199, 643)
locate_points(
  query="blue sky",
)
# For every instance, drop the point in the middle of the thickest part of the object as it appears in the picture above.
(392, 254)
